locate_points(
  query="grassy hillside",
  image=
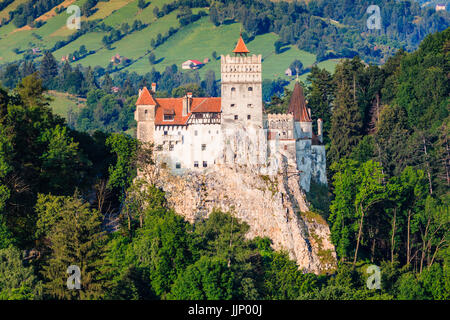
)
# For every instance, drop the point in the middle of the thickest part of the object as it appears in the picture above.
(195, 41)
(62, 102)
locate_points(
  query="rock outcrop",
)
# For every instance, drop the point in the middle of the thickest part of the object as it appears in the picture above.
(273, 207)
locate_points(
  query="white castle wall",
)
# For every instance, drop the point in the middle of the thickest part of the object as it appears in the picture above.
(187, 146)
(241, 89)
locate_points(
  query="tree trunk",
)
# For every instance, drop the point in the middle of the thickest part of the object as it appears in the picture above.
(424, 245)
(393, 236)
(436, 251)
(408, 249)
(428, 165)
(447, 158)
(372, 250)
(129, 221)
(359, 237)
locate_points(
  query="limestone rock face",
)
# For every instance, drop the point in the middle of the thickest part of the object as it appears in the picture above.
(273, 207)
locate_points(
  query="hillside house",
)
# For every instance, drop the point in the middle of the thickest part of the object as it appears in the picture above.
(191, 65)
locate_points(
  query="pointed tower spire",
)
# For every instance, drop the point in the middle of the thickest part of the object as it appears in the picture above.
(241, 48)
(145, 98)
(297, 105)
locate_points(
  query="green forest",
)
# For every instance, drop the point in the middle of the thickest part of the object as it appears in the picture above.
(61, 181)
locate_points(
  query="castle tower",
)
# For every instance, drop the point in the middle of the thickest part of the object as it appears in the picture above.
(302, 117)
(145, 115)
(241, 89)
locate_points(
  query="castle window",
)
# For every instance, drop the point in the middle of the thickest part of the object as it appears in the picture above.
(203, 147)
(248, 117)
(178, 165)
(232, 105)
(165, 133)
(250, 89)
(146, 111)
(195, 164)
(233, 89)
(168, 117)
(170, 147)
(285, 147)
(159, 147)
(163, 165)
(235, 117)
(249, 105)
(205, 164)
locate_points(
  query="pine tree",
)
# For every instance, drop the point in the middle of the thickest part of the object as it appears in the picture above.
(141, 4)
(27, 69)
(90, 82)
(320, 97)
(346, 123)
(77, 239)
(151, 58)
(107, 83)
(64, 74)
(210, 84)
(391, 138)
(48, 69)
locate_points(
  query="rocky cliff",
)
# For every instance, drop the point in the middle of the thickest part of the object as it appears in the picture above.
(273, 207)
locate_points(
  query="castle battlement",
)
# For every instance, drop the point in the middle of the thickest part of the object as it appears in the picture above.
(253, 59)
(241, 69)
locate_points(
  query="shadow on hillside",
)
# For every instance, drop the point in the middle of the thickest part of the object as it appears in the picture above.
(228, 21)
(282, 50)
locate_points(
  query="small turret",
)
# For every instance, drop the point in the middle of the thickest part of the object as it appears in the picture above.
(145, 115)
(320, 130)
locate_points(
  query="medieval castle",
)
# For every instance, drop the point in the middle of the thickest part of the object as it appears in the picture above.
(201, 133)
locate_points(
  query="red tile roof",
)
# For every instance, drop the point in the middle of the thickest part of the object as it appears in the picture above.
(174, 106)
(240, 46)
(297, 105)
(206, 105)
(145, 98)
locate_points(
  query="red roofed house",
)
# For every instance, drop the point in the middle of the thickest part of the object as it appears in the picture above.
(198, 133)
(191, 64)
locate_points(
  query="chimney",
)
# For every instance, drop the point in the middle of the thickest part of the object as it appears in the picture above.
(187, 103)
(320, 129)
(153, 87)
(140, 91)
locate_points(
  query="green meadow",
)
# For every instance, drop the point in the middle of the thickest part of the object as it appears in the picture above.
(195, 41)
(62, 102)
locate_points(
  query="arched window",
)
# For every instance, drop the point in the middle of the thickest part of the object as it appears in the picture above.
(233, 89)
(250, 88)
